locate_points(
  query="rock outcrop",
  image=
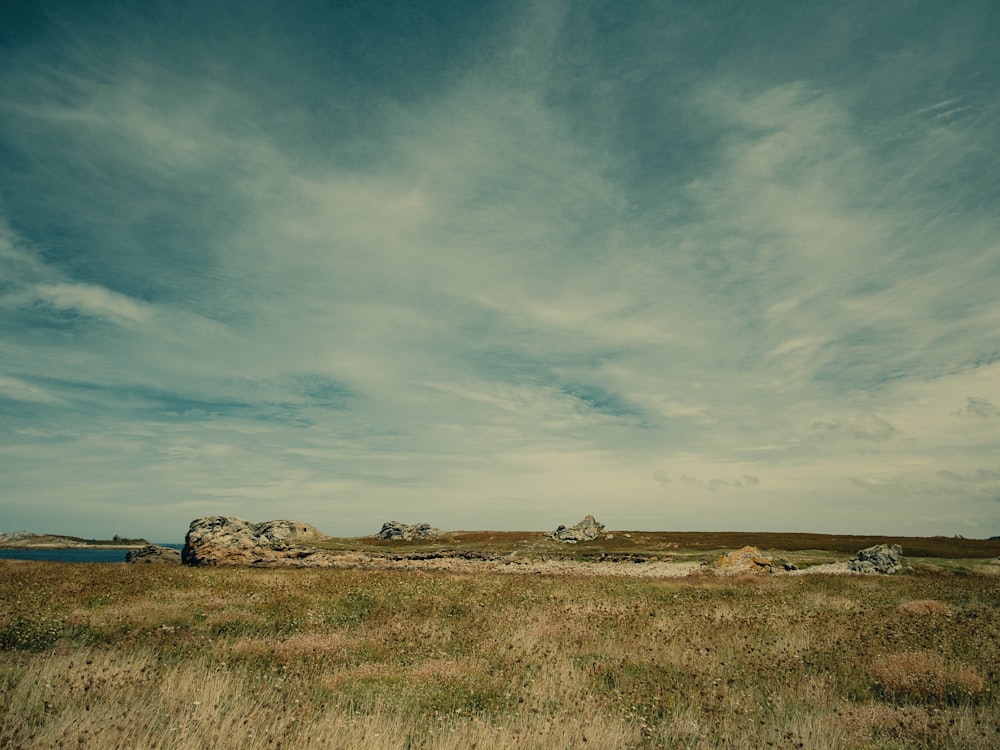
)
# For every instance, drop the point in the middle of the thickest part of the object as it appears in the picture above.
(154, 553)
(227, 540)
(881, 559)
(748, 560)
(397, 530)
(587, 530)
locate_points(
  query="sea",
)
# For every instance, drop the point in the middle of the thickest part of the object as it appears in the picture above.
(89, 555)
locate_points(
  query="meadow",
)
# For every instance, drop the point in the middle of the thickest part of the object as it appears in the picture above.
(156, 656)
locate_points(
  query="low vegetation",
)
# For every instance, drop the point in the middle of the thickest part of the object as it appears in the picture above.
(674, 544)
(18, 540)
(120, 656)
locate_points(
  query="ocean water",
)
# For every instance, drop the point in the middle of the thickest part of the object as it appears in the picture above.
(71, 555)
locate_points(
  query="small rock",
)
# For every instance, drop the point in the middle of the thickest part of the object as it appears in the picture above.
(154, 553)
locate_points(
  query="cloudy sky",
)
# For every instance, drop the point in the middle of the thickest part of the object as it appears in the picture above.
(682, 265)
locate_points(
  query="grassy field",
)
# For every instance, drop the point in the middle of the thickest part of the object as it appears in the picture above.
(671, 544)
(121, 656)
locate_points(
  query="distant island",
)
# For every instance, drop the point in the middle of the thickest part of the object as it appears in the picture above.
(31, 540)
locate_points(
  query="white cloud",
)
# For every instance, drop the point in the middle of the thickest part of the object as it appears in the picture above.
(16, 262)
(717, 483)
(93, 300)
(868, 427)
(19, 390)
(979, 476)
(880, 485)
(32, 281)
(976, 406)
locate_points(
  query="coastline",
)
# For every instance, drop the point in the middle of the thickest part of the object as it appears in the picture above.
(64, 545)
(26, 540)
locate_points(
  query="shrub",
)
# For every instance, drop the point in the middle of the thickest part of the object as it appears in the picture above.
(25, 634)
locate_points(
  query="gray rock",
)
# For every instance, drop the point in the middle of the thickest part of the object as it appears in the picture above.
(397, 530)
(587, 530)
(881, 559)
(227, 540)
(154, 553)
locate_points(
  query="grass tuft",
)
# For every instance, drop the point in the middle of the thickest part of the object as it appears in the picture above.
(923, 677)
(925, 607)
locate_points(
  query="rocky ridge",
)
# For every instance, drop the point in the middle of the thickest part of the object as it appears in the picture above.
(32, 540)
(408, 532)
(13, 537)
(154, 553)
(585, 531)
(226, 540)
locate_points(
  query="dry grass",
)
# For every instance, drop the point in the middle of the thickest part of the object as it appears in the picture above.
(117, 656)
(673, 544)
(923, 677)
(925, 607)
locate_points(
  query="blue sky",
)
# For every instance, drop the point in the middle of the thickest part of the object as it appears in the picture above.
(681, 265)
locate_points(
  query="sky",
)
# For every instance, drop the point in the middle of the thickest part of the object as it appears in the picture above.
(497, 265)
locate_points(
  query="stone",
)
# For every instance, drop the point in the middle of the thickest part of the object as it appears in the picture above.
(154, 553)
(743, 561)
(408, 532)
(880, 559)
(227, 540)
(585, 531)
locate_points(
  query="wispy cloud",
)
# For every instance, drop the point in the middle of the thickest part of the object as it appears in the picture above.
(96, 301)
(976, 406)
(869, 427)
(716, 483)
(979, 476)
(880, 485)
(20, 390)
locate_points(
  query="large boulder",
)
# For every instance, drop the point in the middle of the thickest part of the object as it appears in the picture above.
(227, 540)
(748, 560)
(397, 530)
(881, 559)
(154, 553)
(587, 530)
